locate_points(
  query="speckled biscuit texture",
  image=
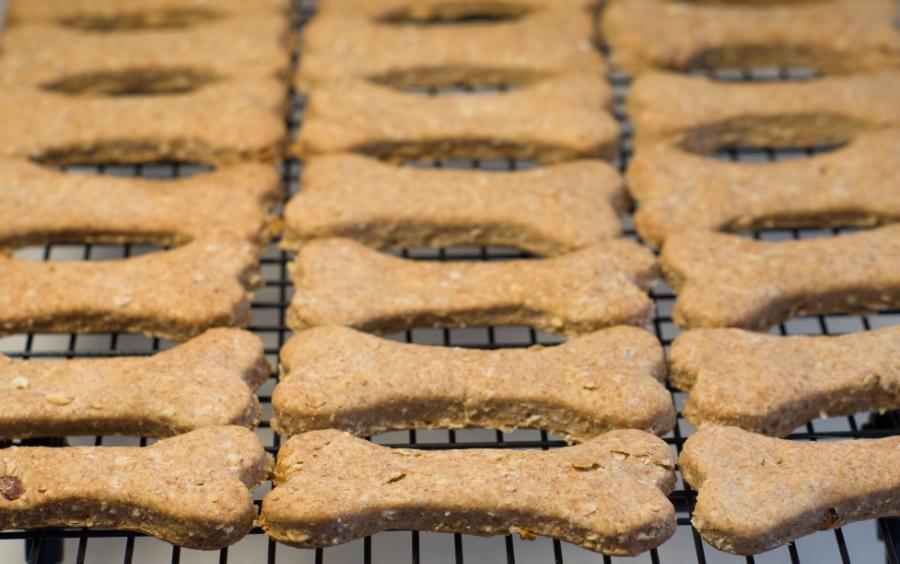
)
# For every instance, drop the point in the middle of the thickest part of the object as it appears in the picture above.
(41, 206)
(546, 44)
(607, 495)
(772, 385)
(124, 15)
(192, 490)
(852, 186)
(207, 381)
(425, 12)
(703, 116)
(219, 124)
(175, 294)
(341, 282)
(338, 378)
(835, 36)
(546, 211)
(757, 493)
(728, 281)
(155, 61)
(553, 120)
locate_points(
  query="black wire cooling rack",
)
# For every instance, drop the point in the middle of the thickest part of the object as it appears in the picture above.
(863, 542)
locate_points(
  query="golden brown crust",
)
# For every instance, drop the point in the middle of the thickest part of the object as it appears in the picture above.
(174, 294)
(207, 381)
(40, 206)
(340, 282)
(546, 211)
(772, 385)
(553, 120)
(338, 378)
(727, 281)
(220, 124)
(757, 493)
(542, 45)
(852, 186)
(836, 36)
(607, 495)
(442, 11)
(192, 490)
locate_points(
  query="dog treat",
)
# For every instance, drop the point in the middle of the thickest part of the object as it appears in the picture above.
(122, 15)
(757, 493)
(207, 381)
(772, 385)
(338, 378)
(166, 61)
(41, 206)
(853, 186)
(341, 282)
(220, 124)
(424, 12)
(838, 36)
(703, 116)
(727, 281)
(192, 490)
(559, 119)
(607, 495)
(174, 294)
(540, 46)
(545, 211)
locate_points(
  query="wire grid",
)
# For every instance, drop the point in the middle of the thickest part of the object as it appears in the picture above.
(269, 307)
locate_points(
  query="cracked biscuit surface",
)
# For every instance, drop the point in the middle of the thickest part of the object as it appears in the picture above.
(338, 378)
(545, 211)
(341, 282)
(607, 495)
(192, 490)
(424, 12)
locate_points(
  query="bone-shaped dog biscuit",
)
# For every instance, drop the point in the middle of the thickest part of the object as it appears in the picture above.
(425, 12)
(772, 385)
(606, 495)
(545, 211)
(120, 15)
(222, 123)
(192, 490)
(174, 294)
(75, 61)
(727, 281)
(757, 493)
(553, 120)
(338, 378)
(340, 282)
(703, 116)
(41, 206)
(207, 381)
(852, 186)
(538, 46)
(838, 36)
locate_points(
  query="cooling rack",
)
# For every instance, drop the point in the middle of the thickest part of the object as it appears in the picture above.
(865, 542)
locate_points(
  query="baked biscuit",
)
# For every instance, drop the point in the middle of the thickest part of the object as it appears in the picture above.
(727, 281)
(340, 282)
(838, 36)
(703, 116)
(221, 124)
(757, 493)
(42, 206)
(852, 186)
(122, 15)
(207, 381)
(772, 385)
(192, 490)
(607, 495)
(425, 12)
(545, 211)
(160, 61)
(547, 44)
(338, 378)
(558, 119)
(175, 294)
